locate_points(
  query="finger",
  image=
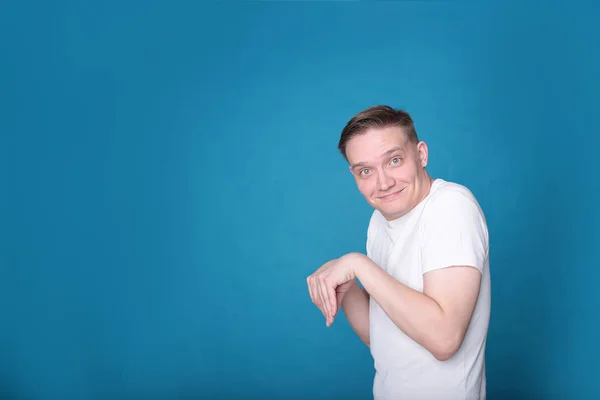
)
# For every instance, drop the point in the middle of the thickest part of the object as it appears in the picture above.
(316, 294)
(321, 290)
(329, 296)
(310, 292)
(325, 295)
(332, 297)
(319, 296)
(339, 297)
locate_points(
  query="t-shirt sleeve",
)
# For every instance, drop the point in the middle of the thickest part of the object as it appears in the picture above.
(453, 232)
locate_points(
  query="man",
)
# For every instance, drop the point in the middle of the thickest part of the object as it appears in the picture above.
(424, 305)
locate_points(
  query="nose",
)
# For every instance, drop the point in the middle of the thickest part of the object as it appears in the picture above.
(385, 181)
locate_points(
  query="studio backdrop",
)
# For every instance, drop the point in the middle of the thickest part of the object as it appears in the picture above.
(170, 178)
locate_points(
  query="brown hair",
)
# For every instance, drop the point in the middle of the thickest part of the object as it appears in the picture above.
(377, 117)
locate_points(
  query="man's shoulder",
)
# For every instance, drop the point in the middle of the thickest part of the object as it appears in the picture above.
(451, 197)
(377, 220)
(451, 191)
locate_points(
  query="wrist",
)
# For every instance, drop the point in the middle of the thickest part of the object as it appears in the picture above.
(357, 263)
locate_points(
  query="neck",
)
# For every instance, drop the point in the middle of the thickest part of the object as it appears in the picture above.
(426, 183)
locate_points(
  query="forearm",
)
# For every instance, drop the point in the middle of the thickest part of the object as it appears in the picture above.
(356, 308)
(416, 314)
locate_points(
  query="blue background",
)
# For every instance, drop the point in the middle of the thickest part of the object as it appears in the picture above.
(170, 177)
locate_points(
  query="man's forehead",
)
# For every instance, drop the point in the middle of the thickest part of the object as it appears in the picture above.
(362, 158)
(375, 143)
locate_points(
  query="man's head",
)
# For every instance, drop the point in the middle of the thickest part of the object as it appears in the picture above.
(386, 159)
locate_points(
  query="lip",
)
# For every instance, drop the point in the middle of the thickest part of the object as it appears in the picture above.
(391, 196)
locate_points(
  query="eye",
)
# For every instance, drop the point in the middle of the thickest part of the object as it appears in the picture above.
(365, 171)
(396, 160)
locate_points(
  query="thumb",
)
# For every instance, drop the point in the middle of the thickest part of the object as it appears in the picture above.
(339, 297)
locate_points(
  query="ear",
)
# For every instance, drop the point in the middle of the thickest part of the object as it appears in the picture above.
(423, 152)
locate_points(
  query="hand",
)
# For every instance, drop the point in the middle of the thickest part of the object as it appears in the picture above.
(328, 284)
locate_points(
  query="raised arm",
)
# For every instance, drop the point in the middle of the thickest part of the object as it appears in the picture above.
(454, 247)
(438, 318)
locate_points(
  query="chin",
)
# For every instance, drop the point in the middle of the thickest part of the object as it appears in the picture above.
(392, 212)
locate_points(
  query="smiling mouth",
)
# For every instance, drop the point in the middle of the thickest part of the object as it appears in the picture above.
(391, 195)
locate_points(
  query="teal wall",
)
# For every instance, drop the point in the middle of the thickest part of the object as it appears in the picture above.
(169, 178)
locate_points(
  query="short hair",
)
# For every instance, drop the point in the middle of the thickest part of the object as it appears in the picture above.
(380, 116)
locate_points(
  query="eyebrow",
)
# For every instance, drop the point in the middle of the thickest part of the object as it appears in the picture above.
(387, 153)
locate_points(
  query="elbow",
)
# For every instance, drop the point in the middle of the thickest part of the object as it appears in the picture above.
(444, 349)
(366, 340)
(444, 355)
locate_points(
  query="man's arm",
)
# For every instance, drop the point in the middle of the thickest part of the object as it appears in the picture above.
(438, 318)
(454, 247)
(355, 304)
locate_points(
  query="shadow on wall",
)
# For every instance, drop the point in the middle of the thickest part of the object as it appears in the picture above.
(10, 391)
(527, 328)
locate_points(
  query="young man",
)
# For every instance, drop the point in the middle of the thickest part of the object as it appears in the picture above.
(424, 307)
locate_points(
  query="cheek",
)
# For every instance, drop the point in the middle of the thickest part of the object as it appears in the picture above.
(405, 173)
(365, 186)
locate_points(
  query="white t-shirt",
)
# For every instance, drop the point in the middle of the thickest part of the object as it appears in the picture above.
(447, 228)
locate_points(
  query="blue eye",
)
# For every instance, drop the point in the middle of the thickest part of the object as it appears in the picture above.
(364, 171)
(396, 160)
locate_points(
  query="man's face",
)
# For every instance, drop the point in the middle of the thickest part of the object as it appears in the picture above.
(389, 170)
